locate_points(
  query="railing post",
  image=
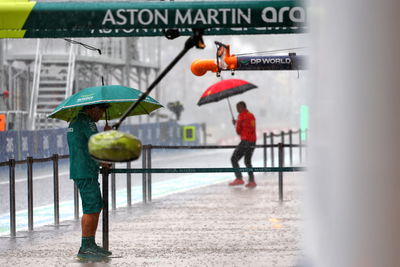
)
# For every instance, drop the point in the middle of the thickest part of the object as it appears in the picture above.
(283, 139)
(290, 146)
(144, 176)
(104, 172)
(113, 191)
(272, 149)
(204, 127)
(280, 174)
(128, 185)
(76, 202)
(30, 193)
(149, 174)
(56, 191)
(305, 143)
(11, 164)
(300, 147)
(265, 149)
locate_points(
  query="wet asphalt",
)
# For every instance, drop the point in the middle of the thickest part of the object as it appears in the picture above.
(216, 225)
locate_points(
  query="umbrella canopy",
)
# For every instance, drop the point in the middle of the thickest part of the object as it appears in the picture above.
(118, 97)
(224, 89)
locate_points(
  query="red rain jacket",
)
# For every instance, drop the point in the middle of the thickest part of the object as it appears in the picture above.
(246, 126)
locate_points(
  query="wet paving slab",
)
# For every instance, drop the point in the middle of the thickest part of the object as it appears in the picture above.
(215, 225)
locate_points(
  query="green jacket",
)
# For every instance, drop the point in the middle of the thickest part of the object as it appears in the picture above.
(82, 166)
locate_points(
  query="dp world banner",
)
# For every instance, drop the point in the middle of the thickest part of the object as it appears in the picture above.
(23, 19)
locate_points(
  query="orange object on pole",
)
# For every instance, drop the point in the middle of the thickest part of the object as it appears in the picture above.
(199, 67)
(231, 61)
(225, 61)
(2, 122)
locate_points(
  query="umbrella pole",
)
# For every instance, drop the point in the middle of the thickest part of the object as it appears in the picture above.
(230, 108)
(195, 40)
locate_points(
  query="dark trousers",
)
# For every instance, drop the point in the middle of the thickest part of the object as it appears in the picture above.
(246, 149)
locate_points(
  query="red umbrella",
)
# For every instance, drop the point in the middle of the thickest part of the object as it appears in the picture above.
(224, 89)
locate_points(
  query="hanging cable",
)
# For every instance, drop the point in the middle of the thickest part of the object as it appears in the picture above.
(84, 45)
(272, 51)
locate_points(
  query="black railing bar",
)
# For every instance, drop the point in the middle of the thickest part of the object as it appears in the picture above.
(30, 192)
(6, 163)
(209, 170)
(56, 193)
(76, 202)
(43, 159)
(128, 186)
(12, 198)
(113, 192)
(149, 182)
(206, 147)
(220, 147)
(144, 174)
(105, 226)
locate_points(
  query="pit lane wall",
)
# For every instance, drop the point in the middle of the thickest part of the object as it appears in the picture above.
(43, 143)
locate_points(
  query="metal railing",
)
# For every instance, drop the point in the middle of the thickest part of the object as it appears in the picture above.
(146, 171)
(11, 163)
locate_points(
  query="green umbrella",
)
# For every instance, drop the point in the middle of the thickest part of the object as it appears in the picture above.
(119, 97)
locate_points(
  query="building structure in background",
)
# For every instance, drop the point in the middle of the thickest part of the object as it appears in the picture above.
(40, 74)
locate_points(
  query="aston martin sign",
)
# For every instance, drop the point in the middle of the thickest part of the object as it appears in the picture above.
(93, 19)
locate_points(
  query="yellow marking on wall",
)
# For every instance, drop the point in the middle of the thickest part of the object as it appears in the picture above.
(13, 15)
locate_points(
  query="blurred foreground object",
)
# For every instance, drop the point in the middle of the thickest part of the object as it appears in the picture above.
(352, 207)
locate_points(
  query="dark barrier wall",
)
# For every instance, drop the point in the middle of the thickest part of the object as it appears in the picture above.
(44, 143)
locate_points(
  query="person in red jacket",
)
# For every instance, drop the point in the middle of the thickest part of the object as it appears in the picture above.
(246, 129)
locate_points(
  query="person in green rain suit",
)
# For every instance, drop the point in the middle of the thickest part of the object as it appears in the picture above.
(84, 172)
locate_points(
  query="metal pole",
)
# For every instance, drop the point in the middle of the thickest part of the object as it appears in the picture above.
(280, 175)
(144, 176)
(149, 174)
(56, 191)
(104, 172)
(194, 40)
(76, 202)
(128, 186)
(290, 147)
(300, 147)
(283, 139)
(139, 74)
(305, 142)
(113, 191)
(2, 81)
(265, 148)
(147, 74)
(12, 198)
(30, 193)
(204, 127)
(272, 150)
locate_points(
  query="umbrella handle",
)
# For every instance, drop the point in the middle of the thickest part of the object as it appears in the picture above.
(195, 40)
(230, 108)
